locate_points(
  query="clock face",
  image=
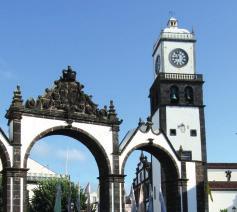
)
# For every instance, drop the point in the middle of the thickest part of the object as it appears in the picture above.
(178, 58)
(157, 64)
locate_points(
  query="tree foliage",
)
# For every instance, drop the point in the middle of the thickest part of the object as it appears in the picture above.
(44, 195)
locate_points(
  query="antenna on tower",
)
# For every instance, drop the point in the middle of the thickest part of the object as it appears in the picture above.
(171, 13)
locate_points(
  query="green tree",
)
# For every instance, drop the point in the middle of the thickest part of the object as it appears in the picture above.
(44, 195)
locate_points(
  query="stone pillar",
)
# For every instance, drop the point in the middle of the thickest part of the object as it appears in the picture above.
(6, 191)
(15, 179)
(105, 197)
(118, 188)
(201, 183)
(173, 198)
(116, 179)
(111, 193)
(184, 194)
(15, 176)
(183, 187)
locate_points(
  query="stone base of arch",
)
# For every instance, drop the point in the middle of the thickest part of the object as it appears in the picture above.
(111, 189)
(14, 189)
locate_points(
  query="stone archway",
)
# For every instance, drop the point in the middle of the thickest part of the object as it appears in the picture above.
(82, 136)
(170, 182)
(157, 144)
(6, 166)
(65, 109)
(93, 146)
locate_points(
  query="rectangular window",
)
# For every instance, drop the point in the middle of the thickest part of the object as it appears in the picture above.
(172, 132)
(193, 133)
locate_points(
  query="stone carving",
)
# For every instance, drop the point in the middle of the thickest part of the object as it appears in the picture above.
(67, 95)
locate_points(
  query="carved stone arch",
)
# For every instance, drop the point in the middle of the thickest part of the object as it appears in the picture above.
(6, 164)
(66, 101)
(152, 149)
(84, 137)
(171, 171)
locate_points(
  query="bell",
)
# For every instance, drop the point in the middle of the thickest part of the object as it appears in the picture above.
(189, 97)
(173, 97)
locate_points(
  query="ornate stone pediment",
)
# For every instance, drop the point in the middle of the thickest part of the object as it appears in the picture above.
(67, 97)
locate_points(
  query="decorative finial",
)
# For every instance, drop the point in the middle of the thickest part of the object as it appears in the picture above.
(140, 122)
(142, 156)
(148, 124)
(180, 152)
(111, 107)
(112, 112)
(69, 75)
(17, 98)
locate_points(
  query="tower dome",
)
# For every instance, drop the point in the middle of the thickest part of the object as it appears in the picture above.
(172, 27)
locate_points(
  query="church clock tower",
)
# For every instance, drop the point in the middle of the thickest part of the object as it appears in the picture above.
(176, 99)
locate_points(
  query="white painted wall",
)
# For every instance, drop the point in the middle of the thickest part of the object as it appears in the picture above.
(156, 120)
(220, 175)
(156, 179)
(30, 188)
(191, 186)
(35, 167)
(175, 116)
(158, 52)
(189, 68)
(142, 138)
(223, 200)
(8, 147)
(32, 127)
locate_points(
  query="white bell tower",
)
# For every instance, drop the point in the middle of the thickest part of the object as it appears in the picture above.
(176, 94)
(177, 109)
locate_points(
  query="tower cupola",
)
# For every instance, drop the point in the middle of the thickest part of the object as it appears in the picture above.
(172, 22)
(174, 50)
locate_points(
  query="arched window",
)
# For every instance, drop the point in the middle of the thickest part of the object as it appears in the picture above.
(174, 94)
(189, 94)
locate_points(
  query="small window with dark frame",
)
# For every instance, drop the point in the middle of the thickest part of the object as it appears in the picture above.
(174, 94)
(189, 94)
(172, 132)
(193, 133)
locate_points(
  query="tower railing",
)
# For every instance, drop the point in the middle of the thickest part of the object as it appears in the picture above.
(173, 35)
(177, 76)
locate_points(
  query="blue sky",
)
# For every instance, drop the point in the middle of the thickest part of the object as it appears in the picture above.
(109, 44)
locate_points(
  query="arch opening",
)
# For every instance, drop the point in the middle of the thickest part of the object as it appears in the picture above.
(158, 174)
(90, 143)
(4, 164)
